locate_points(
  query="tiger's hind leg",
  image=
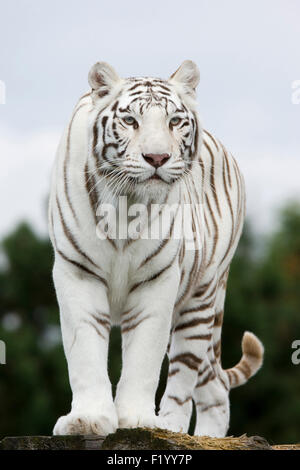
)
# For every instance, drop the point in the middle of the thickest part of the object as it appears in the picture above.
(211, 398)
(191, 338)
(211, 393)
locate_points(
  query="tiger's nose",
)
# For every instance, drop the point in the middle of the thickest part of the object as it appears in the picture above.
(156, 159)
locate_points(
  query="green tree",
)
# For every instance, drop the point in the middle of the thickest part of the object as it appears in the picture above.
(33, 384)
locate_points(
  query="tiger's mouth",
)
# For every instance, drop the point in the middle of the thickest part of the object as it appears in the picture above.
(155, 177)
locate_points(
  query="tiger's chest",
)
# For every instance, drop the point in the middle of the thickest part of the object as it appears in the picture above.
(141, 257)
(138, 261)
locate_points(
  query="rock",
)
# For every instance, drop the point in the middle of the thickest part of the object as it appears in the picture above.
(139, 439)
(52, 443)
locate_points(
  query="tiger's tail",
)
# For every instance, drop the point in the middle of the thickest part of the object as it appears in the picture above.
(250, 363)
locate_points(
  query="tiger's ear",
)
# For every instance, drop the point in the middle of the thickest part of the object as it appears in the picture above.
(102, 78)
(187, 75)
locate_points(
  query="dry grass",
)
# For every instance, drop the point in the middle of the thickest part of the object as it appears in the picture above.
(208, 443)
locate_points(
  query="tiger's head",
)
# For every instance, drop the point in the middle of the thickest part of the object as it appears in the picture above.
(144, 131)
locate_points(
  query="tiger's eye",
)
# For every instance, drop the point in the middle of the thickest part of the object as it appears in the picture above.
(175, 120)
(129, 120)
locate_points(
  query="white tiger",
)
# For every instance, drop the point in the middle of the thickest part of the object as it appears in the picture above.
(141, 138)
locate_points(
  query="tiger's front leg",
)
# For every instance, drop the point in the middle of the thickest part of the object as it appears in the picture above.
(145, 328)
(85, 325)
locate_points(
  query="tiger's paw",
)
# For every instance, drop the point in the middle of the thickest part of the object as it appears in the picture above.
(174, 423)
(101, 423)
(132, 418)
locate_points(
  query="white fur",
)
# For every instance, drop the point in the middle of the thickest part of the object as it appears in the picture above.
(86, 303)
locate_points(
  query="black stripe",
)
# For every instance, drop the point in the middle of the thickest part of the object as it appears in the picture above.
(199, 308)
(153, 277)
(67, 158)
(188, 359)
(90, 185)
(216, 235)
(178, 401)
(132, 327)
(210, 376)
(82, 267)
(193, 323)
(164, 242)
(199, 337)
(70, 236)
(212, 138)
(212, 178)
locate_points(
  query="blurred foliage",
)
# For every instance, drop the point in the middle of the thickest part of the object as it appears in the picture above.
(263, 296)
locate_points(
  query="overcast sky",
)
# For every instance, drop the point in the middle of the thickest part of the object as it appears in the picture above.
(248, 53)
